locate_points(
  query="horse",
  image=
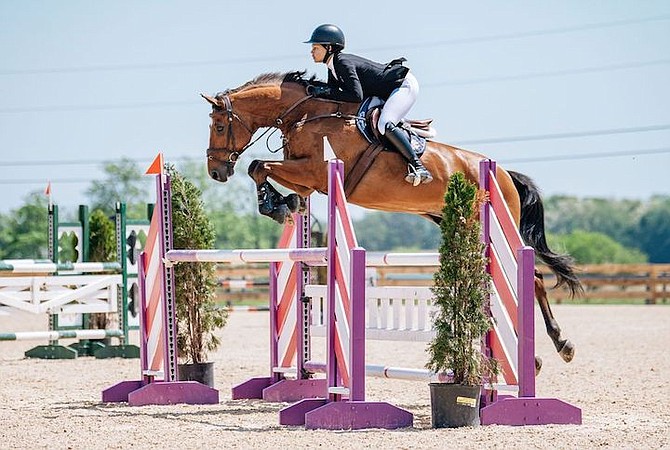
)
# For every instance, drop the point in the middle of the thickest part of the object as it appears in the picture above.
(280, 101)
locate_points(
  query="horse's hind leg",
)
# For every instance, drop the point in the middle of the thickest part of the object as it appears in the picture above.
(565, 348)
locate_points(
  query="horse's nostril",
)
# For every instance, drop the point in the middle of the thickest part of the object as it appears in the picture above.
(214, 174)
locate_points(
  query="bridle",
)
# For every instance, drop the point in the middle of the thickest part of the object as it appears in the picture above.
(230, 135)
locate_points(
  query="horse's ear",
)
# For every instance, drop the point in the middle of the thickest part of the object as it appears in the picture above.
(212, 100)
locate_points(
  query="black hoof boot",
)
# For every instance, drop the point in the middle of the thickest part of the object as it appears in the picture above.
(280, 214)
(268, 198)
(293, 202)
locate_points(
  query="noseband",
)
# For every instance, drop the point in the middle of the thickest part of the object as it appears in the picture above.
(230, 136)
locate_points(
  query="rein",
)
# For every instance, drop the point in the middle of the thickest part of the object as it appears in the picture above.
(234, 156)
(279, 121)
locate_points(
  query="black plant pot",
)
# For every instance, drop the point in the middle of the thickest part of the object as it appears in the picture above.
(454, 405)
(200, 372)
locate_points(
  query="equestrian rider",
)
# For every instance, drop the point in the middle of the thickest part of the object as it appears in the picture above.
(352, 78)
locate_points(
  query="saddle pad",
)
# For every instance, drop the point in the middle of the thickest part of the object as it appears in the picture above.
(365, 125)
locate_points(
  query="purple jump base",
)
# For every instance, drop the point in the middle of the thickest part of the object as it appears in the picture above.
(530, 411)
(139, 393)
(252, 388)
(280, 391)
(345, 415)
(295, 390)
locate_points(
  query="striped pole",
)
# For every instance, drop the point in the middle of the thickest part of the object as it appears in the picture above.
(159, 323)
(30, 266)
(511, 341)
(60, 334)
(344, 405)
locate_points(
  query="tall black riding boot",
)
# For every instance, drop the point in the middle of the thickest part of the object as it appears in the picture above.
(417, 172)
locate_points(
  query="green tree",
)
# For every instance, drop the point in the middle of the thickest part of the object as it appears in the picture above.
(379, 231)
(102, 247)
(617, 219)
(653, 233)
(232, 210)
(461, 290)
(24, 230)
(588, 247)
(195, 283)
(123, 182)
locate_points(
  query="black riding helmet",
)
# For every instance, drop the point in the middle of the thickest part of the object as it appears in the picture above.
(327, 34)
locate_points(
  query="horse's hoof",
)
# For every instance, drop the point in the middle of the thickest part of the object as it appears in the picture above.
(302, 209)
(567, 352)
(293, 202)
(538, 365)
(280, 214)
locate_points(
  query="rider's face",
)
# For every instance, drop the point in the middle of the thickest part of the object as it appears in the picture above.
(318, 52)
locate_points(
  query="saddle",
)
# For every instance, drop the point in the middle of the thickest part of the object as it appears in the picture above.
(368, 117)
(366, 122)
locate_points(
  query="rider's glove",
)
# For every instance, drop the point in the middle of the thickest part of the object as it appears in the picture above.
(318, 91)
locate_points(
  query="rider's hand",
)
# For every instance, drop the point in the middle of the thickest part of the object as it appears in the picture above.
(318, 91)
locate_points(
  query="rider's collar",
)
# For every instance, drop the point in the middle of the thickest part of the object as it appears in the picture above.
(330, 65)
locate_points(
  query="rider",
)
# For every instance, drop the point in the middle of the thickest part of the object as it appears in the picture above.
(352, 78)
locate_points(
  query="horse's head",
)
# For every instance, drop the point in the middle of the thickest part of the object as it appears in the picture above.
(229, 137)
(238, 113)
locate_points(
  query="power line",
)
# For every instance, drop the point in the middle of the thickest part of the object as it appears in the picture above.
(542, 137)
(552, 73)
(525, 34)
(253, 59)
(577, 156)
(181, 103)
(64, 108)
(535, 159)
(498, 140)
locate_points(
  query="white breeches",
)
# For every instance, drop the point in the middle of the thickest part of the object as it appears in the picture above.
(399, 102)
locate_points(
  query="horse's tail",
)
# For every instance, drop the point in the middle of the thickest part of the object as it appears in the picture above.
(533, 233)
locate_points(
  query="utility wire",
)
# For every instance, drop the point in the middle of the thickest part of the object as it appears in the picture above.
(246, 60)
(551, 73)
(535, 159)
(549, 136)
(577, 156)
(498, 140)
(181, 103)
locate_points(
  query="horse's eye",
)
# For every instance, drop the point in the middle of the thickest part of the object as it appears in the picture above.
(219, 127)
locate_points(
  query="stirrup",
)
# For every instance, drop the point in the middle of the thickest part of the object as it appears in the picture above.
(416, 177)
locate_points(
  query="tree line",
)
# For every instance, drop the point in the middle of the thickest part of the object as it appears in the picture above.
(592, 230)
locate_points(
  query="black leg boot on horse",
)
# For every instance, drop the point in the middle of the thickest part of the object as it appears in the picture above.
(274, 205)
(418, 174)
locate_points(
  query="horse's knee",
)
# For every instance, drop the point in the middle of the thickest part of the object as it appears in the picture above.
(254, 168)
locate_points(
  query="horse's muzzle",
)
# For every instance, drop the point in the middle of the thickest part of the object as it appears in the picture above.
(222, 172)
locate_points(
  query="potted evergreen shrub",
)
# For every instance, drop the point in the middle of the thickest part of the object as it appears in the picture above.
(195, 284)
(461, 289)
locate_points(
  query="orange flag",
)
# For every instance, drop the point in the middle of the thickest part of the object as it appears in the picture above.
(156, 167)
(47, 192)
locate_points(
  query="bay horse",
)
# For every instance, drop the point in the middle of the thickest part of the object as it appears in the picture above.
(279, 101)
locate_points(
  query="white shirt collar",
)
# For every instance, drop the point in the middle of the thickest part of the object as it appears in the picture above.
(331, 66)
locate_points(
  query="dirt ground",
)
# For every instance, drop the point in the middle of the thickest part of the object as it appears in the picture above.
(620, 378)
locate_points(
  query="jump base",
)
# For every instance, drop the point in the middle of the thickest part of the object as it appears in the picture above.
(345, 415)
(161, 393)
(295, 390)
(52, 352)
(118, 351)
(530, 411)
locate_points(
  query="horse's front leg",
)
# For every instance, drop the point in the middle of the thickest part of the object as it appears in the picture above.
(564, 347)
(271, 202)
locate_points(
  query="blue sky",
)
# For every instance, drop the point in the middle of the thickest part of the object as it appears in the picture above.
(573, 93)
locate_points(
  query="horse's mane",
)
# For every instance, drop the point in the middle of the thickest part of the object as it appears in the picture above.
(277, 78)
